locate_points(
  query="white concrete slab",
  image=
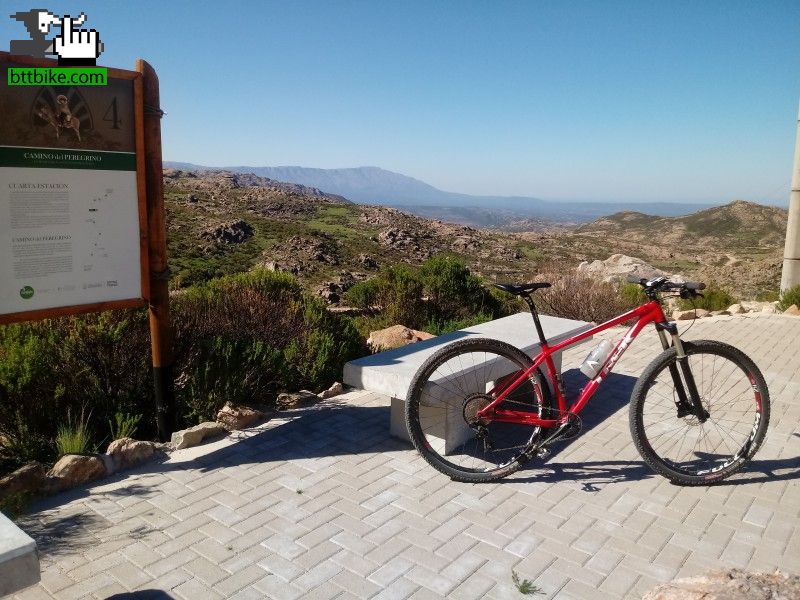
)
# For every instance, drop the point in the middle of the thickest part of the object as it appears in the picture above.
(390, 372)
(19, 559)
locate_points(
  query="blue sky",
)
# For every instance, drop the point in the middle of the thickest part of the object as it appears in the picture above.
(675, 101)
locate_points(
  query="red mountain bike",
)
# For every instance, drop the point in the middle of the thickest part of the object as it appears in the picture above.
(698, 412)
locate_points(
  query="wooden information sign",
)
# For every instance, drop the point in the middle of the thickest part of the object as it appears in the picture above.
(73, 212)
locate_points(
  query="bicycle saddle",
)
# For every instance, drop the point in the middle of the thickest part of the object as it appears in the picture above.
(520, 289)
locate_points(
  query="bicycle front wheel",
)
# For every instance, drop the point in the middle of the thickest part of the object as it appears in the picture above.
(447, 392)
(691, 451)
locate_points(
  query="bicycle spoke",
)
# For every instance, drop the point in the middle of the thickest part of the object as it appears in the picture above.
(695, 446)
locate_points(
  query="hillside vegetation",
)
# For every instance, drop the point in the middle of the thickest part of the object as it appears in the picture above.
(739, 245)
(222, 223)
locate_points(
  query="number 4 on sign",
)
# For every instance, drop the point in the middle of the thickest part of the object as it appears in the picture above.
(115, 120)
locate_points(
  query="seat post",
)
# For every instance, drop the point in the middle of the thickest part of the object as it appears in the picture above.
(535, 315)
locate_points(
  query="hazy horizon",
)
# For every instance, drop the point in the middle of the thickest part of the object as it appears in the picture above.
(778, 203)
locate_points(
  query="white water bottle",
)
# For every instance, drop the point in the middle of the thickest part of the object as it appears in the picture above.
(596, 359)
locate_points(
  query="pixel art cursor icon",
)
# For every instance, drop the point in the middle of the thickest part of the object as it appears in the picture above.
(73, 46)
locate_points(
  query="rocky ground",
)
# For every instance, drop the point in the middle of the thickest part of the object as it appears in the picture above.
(222, 223)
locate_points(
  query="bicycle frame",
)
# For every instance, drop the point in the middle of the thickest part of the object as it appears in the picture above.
(650, 312)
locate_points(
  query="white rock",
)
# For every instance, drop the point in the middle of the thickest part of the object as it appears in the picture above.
(74, 469)
(127, 452)
(737, 309)
(394, 337)
(336, 389)
(618, 267)
(187, 438)
(688, 315)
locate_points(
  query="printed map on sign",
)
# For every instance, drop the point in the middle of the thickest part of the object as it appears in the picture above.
(69, 209)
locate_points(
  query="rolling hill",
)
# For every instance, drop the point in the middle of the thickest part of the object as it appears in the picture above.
(225, 222)
(373, 185)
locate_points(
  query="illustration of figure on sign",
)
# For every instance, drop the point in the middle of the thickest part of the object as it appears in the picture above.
(59, 117)
(73, 46)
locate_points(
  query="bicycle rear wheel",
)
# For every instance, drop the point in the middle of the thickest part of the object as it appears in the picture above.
(449, 389)
(680, 446)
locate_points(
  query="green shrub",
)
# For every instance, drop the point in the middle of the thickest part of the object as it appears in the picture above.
(124, 425)
(242, 338)
(401, 296)
(441, 295)
(14, 505)
(363, 294)
(633, 294)
(246, 337)
(439, 327)
(55, 367)
(507, 304)
(768, 296)
(21, 444)
(789, 297)
(453, 291)
(714, 298)
(73, 438)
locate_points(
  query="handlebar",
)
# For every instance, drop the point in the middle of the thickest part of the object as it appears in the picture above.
(662, 284)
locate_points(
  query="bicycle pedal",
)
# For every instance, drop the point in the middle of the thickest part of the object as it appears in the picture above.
(542, 453)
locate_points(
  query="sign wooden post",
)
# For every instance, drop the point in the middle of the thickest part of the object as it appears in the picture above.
(160, 324)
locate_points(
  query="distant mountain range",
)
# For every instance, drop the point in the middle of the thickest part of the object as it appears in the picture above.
(373, 185)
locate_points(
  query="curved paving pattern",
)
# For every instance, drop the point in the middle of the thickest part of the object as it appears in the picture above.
(321, 503)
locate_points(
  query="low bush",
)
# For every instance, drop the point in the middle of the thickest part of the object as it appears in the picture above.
(789, 297)
(242, 338)
(714, 298)
(54, 368)
(74, 437)
(124, 425)
(246, 337)
(364, 295)
(440, 296)
(768, 296)
(577, 296)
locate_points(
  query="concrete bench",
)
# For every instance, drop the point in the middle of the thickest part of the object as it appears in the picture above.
(390, 372)
(19, 559)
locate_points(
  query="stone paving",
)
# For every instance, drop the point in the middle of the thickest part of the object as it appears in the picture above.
(322, 503)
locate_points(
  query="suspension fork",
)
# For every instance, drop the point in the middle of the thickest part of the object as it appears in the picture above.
(691, 404)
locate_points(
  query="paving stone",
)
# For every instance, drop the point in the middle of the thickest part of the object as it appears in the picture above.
(241, 579)
(374, 520)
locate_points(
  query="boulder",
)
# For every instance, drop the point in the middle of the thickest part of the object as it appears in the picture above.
(234, 232)
(336, 389)
(792, 310)
(28, 479)
(688, 315)
(394, 337)
(717, 313)
(737, 309)
(74, 469)
(127, 452)
(769, 309)
(728, 585)
(187, 438)
(367, 261)
(296, 399)
(618, 267)
(238, 417)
